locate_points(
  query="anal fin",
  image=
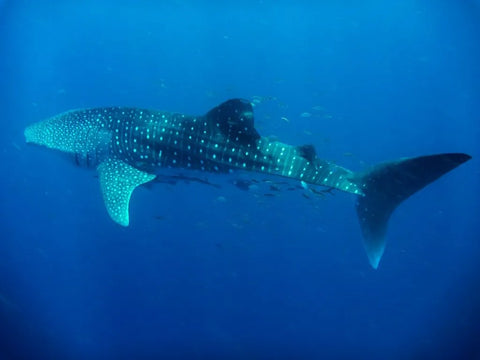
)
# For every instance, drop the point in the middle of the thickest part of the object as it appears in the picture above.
(117, 181)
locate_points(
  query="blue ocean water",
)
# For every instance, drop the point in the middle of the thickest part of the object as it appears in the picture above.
(220, 273)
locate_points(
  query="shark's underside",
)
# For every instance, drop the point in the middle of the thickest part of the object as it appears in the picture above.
(129, 147)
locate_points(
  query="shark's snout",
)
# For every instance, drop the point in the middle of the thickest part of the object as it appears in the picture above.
(28, 133)
(36, 134)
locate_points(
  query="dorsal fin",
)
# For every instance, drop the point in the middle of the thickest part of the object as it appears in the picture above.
(307, 152)
(234, 119)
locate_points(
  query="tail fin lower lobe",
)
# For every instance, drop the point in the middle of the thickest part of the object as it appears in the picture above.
(386, 185)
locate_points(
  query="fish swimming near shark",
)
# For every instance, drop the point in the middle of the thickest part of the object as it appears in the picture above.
(129, 147)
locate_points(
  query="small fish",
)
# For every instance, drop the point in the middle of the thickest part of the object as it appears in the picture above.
(15, 145)
(256, 99)
(317, 192)
(323, 192)
(305, 114)
(244, 185)
(285, 119)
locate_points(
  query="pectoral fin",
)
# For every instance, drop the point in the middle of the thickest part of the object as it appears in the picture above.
(117, 181)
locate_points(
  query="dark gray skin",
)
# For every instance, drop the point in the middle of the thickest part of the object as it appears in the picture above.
(130, 146)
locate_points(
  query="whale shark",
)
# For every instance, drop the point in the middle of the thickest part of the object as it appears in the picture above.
(131, 146)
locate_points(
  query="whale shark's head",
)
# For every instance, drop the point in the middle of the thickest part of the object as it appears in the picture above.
(75, 133)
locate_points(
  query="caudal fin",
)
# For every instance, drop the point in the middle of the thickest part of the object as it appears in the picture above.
(386, 185)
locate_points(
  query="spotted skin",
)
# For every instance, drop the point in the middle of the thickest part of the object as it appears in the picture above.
(130, 146)
(116, 193)
(153, 140)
